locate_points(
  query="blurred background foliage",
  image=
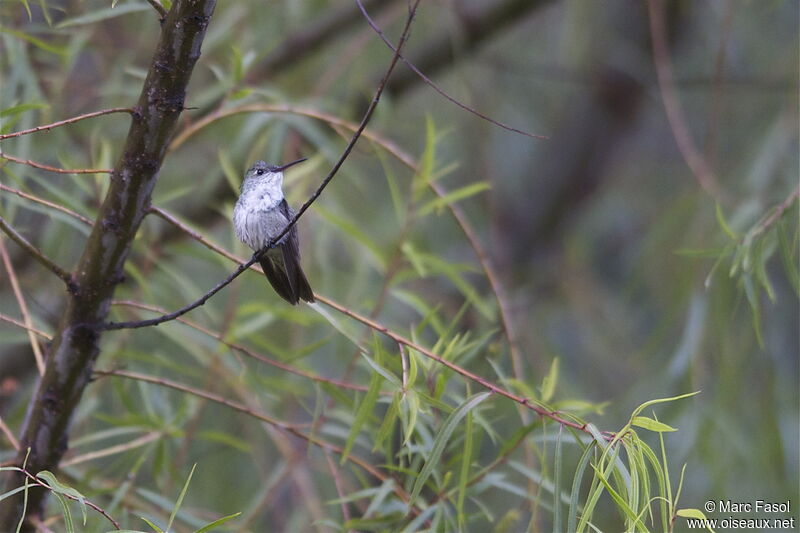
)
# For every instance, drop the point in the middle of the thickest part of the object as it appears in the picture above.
(614, 261)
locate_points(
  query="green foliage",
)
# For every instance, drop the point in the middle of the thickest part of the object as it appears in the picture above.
(305, 417)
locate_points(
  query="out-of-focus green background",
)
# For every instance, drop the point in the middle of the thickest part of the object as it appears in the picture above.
(613, 258)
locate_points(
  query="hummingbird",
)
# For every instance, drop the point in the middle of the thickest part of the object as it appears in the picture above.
(261, 214)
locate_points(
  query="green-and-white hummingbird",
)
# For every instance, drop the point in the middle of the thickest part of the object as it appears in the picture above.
(260, 215)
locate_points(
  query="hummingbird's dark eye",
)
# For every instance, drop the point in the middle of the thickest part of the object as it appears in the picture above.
(260, 171)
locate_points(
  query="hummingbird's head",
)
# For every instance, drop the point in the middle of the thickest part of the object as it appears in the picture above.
(271, 174)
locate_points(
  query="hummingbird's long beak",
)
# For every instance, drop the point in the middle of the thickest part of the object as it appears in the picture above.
(287, 165)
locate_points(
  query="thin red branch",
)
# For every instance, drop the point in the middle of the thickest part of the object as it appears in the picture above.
(65, 276)
(48, 127)
(44, 485)
(48, 168)
(47, 203)
(553, 415)
(19, 323)
(438, 89)
(23, 306)
(245, 350)
(289, 428)
(677, 120)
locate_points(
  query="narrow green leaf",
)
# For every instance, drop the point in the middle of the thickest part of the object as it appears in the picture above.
(60, 488)
(62, 501)
(691, 513)
(354, 231)
(463, 479)
(622, 505)
(650, 424)
(385, 489)
(38, 43)
(575, 495)
(152, 525)
(391, 378)
(787, 256)
(409, 412)
(180, 497)
(22, 108)
(387, 426)
(724, 223)
(46, 12)
(454, 196)
(102, 14)
(11, 492)
(550, 380)
(28, 9)
(218, 522)
(645, 405)
(229, 169)
(362, 413)
(441, 440)
(557, 525)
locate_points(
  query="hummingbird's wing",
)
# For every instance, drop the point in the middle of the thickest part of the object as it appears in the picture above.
(291, 259)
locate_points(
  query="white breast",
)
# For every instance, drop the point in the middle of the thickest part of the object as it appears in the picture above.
(257, 217)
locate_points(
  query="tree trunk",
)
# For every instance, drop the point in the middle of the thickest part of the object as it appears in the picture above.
(75, 346)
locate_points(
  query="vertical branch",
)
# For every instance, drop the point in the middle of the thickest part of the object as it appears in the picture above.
(100, 268)
(677, 120)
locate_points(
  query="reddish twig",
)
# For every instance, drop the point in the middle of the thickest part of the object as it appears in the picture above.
(289, 428)
(553, 415)
(339, 484)
(48, 127)
(9, 434)
(19, 323)
(435, 87)
(778, 212)
(38, 255)
(245, 350)
(37, 481)
(23, 307)
(201, 394)
(48, 168)
(680, 129)
(47, 203)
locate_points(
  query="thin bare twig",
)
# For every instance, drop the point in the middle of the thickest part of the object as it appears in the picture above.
(553, 415)
(48, 168)
(435, 87)
(18, 323)
(245, 350)
(38, 255)
(778, 212)
(290, 428)
(48, 127)
(200, 394)
(339, 484)
(23, 307)
(9, 434)
(47, 203)
(257, 256)
(680, 129)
